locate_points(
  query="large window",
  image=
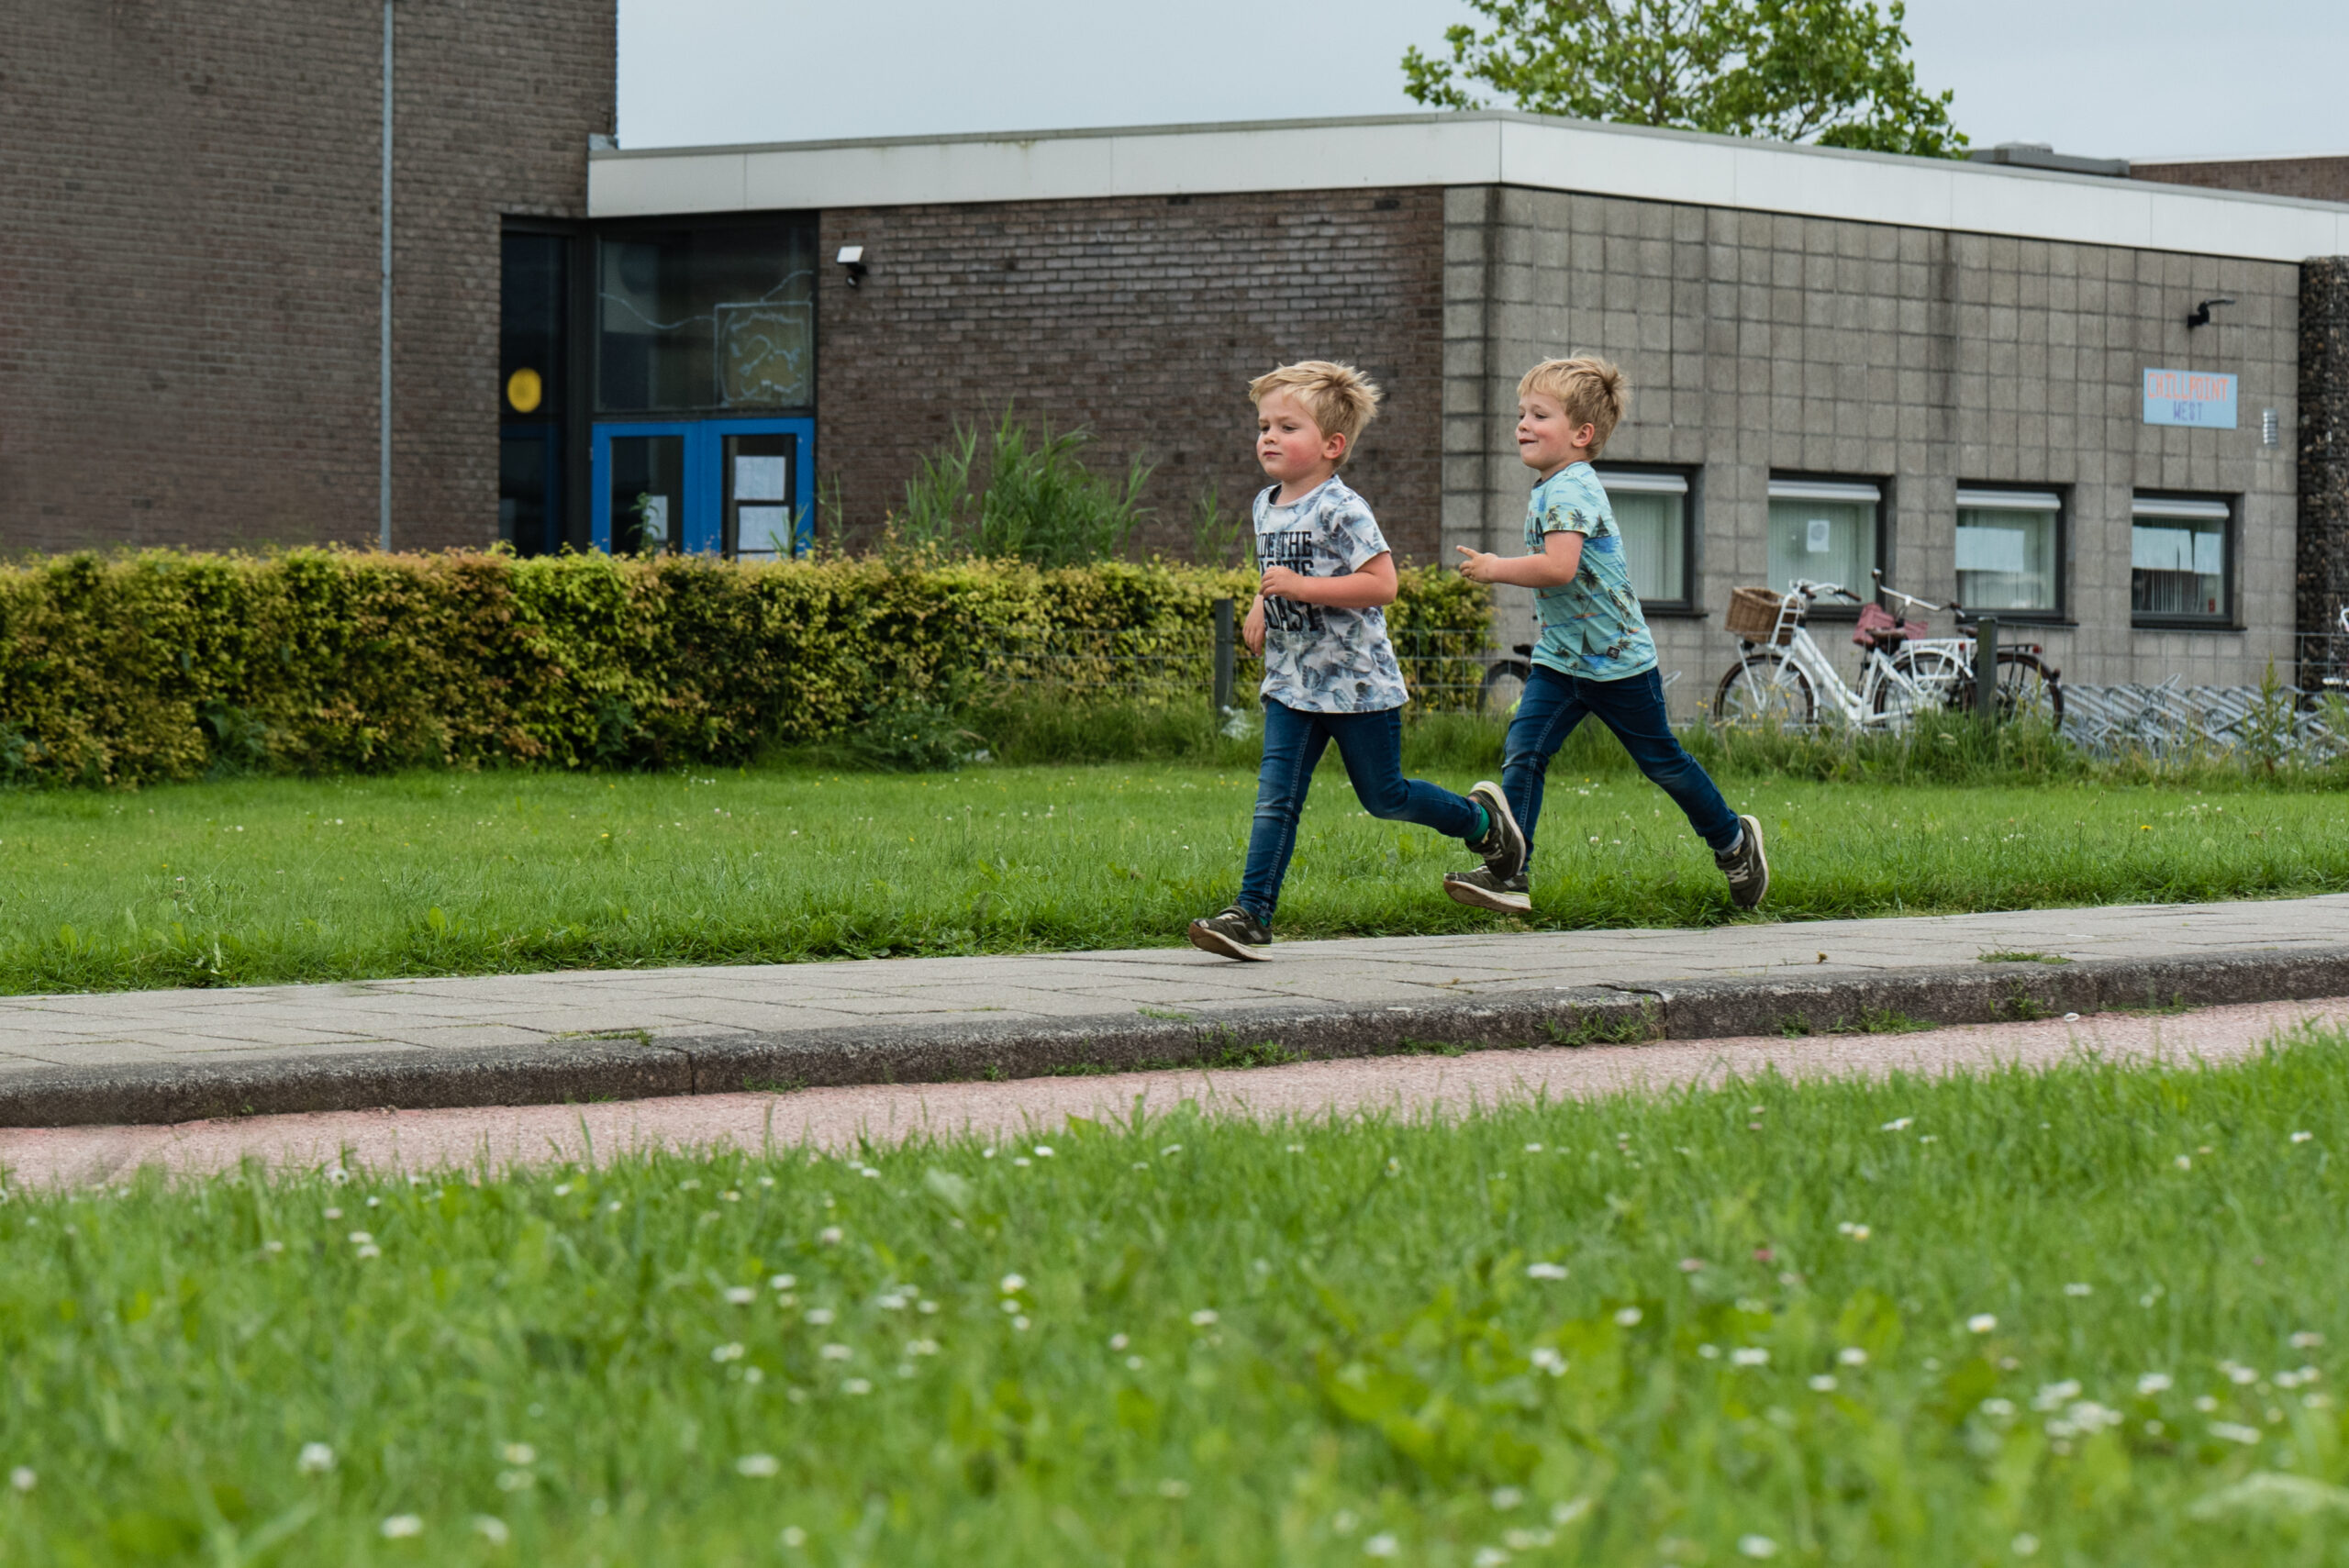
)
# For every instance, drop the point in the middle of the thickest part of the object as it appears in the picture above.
(701, 319)
(1826, 531)
(531, 375)
(2010, 548)
(2181, 561)
(1652, 508)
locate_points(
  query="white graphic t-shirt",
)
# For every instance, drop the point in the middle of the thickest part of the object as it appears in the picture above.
(1319, 658)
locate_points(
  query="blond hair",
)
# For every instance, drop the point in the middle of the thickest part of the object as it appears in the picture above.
(1588, 390)
(1342, 399)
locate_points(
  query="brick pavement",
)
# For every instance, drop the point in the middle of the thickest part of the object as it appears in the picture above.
(171, 1055)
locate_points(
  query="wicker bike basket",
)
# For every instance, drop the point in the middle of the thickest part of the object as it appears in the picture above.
(1754, 616)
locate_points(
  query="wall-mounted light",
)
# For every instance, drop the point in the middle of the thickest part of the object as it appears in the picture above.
(2201, 314)
(851, 261)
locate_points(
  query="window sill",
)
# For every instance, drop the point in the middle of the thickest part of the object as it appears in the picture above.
(2023, 617)
(1673, 612)
(2178, 624)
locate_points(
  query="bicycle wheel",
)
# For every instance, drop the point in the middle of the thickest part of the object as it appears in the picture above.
(2027, 689)
(1765, 691)
(1935, 672)
(1504, 685)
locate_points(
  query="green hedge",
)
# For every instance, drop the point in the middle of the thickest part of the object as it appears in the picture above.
(122, 669)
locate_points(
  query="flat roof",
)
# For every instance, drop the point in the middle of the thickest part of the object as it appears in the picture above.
(1482, 148)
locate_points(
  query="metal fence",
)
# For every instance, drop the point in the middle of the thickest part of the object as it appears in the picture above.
(2175, 720)
(2323, 662)
(1176, 664)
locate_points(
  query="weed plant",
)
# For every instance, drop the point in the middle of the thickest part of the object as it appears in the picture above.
(2085, 1316)
(265, 881)
(1030, 498)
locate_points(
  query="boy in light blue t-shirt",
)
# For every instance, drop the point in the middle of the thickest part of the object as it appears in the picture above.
(1595, 655)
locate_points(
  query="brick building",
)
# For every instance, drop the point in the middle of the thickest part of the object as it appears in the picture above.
(189, 274)
(1841, 361)
(2317, 177)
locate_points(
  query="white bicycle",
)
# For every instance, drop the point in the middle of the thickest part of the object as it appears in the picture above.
(1782, 673)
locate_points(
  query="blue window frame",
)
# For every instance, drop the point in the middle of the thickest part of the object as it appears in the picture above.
(680, 498)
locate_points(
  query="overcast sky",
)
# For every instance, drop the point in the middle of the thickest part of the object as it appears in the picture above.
(2107, 78)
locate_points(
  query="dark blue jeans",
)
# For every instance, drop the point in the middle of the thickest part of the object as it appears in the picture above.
(1633, 709)
(1371, 745)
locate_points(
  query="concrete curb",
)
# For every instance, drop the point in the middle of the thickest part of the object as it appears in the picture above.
(636, 1066)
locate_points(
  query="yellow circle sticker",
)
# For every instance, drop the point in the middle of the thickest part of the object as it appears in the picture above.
(523, 390)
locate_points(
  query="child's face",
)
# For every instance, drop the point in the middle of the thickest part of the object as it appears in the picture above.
(1288, 443)
(1546, 440)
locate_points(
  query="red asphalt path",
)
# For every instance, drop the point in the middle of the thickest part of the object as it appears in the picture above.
(833, 1119)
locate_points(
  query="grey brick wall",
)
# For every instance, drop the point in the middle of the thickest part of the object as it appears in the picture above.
(1142, 319)
(1924, 360)
(189, 232)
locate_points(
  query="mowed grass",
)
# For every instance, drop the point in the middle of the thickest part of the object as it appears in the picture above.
(2088, 1315)
(265, 881)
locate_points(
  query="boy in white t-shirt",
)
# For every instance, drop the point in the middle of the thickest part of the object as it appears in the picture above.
(1330, 673)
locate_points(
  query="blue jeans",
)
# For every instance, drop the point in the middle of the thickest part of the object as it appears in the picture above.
(1633, 709)
(1371, 744)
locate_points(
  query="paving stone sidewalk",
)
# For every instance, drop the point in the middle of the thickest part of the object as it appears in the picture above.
(178, 1055)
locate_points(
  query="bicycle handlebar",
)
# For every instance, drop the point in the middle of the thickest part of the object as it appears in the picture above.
(1810, 590)
(1877, 573)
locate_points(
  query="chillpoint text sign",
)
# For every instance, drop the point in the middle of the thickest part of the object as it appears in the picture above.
(2190, 397)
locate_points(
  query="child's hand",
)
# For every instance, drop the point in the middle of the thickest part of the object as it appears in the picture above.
(1283, 583)
(1479, 566)
(1251, 630)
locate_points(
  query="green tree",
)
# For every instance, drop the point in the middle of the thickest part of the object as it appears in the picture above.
(1833, 71)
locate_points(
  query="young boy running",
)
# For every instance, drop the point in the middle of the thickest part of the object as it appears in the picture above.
(1330, 673)
(1595, 655)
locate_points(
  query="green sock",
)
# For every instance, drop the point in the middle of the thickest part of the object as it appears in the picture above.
(1484, 822)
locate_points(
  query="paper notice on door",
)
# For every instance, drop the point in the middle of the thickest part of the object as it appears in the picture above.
(1815, 539)
(759, 479)
(766, 531)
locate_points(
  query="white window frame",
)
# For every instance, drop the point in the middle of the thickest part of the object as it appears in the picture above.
(2189, 508)
(1662, 482)
(1867, 491)
(1971, 498)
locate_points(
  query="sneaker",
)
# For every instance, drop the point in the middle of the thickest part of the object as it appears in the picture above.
(1503, 845)
(1746, 867)
(1510, 895)
(1235, 933)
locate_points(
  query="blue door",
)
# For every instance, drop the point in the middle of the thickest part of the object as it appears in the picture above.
(742, 488)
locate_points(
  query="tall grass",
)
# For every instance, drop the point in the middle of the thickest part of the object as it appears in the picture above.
(1030, 498)
(2087, 1316)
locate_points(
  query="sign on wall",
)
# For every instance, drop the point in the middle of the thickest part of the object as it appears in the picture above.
(2190, 397)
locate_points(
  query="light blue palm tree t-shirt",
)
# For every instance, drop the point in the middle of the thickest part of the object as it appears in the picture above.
(1592, 627)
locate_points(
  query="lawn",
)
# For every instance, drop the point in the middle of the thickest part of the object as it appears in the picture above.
(2087, 1316)
(264, 880)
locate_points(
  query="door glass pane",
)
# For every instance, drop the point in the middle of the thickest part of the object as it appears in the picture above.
(706, 319)
(1654, 543)
(522, 479)
(1827, 542)
(648, 494)
(758, 497)
(530, 327)
(2005, 559)
(2177, 566)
